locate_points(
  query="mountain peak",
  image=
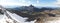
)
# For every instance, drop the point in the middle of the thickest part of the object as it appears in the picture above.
(31, 5)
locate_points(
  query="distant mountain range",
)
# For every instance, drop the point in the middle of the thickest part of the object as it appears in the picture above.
(31, 11)
(30, 8)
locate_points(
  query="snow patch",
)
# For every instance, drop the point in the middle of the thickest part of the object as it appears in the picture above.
(19, 18)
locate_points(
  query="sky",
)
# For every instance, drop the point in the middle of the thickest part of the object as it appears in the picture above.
(50, 3)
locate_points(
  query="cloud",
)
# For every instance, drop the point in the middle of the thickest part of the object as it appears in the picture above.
(57, 3)
(27, 3)
(38, 1)
(9, 3)
(14, 2)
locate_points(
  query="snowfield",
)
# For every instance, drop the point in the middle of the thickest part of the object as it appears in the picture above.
(16, 17)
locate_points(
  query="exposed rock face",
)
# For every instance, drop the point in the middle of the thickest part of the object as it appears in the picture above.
(50, 19)
(27, 8)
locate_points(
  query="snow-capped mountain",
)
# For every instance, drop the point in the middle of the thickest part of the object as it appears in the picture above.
(17, 17)
(9, 17)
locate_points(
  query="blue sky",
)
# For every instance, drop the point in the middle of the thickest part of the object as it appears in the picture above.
(28, 2)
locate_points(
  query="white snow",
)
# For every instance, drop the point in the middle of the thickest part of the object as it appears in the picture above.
(19, 18)
(1, 16)
(15, 17)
